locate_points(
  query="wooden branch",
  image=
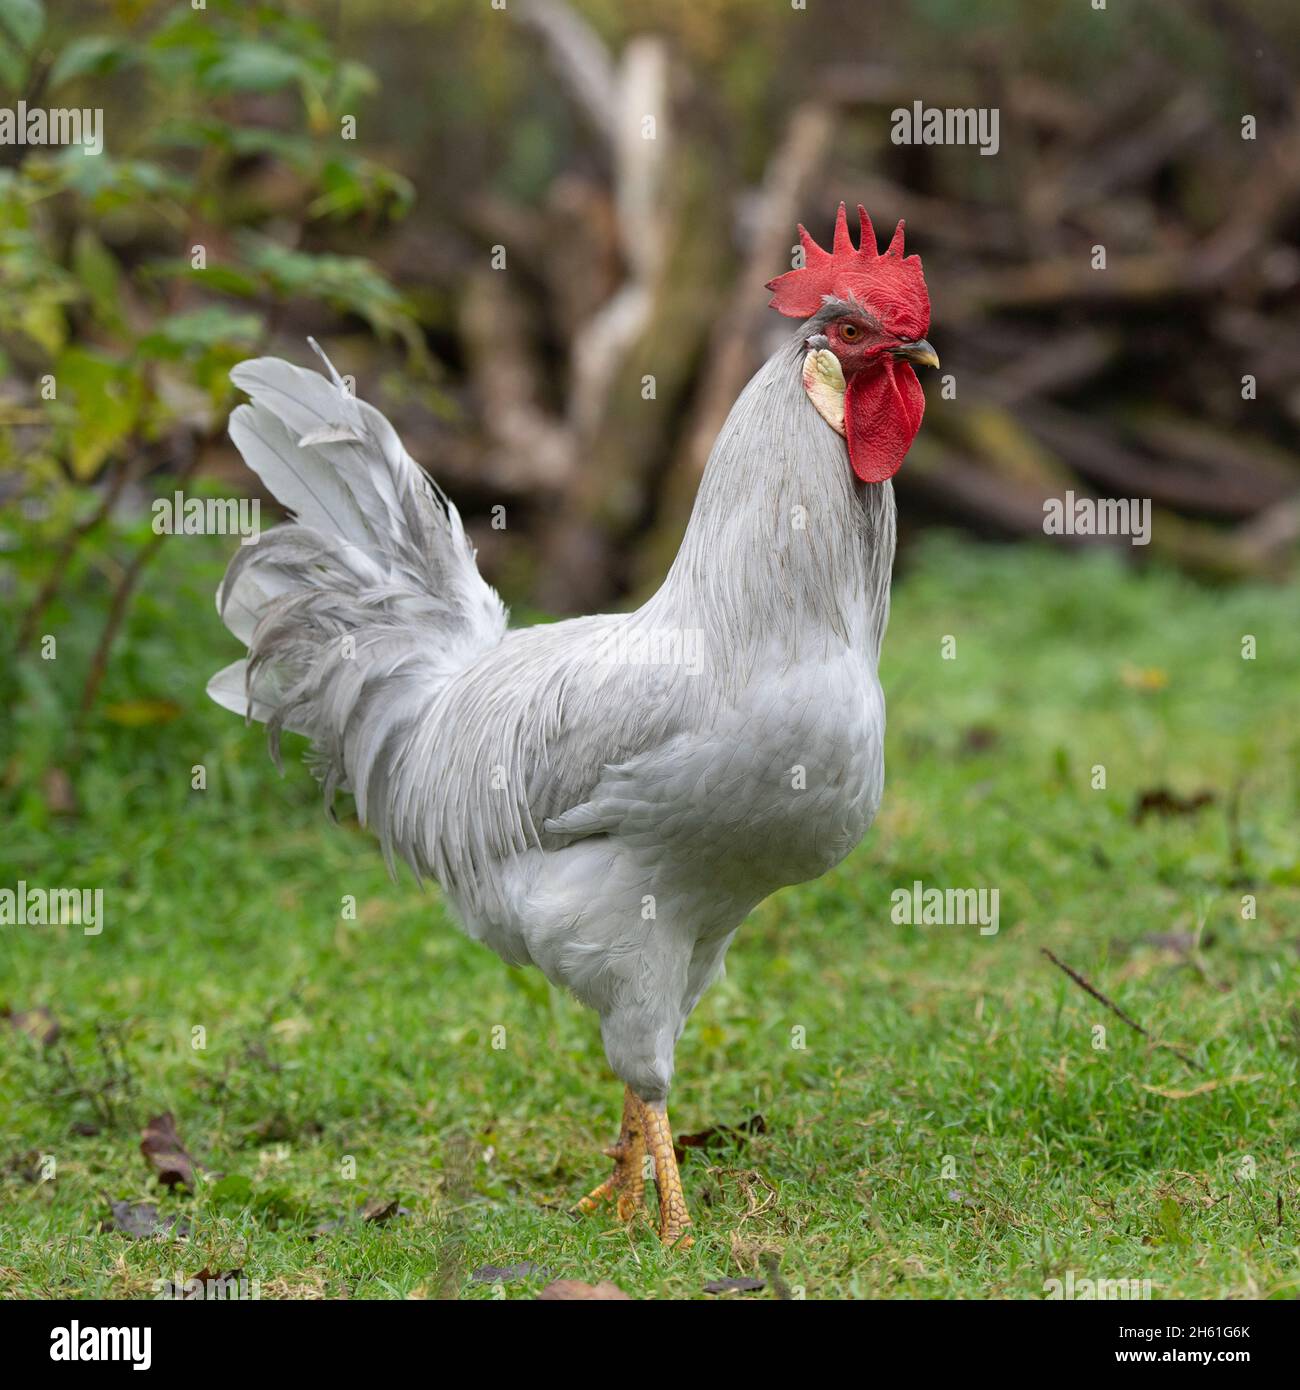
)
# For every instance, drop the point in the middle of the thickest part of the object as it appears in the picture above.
(601, 346)
(122, 597)
(979, 229)
(64, 555)
(1094, 452)
(734, 349)
(529, 448)
(1089, 988)
(946, 483)
(580, 59)
(1053, 363)
(1099, 171)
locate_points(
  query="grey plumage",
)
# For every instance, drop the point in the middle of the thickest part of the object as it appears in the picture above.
(609, 818)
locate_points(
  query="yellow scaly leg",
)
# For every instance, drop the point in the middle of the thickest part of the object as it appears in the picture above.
(674, 1219)
(625, 1186)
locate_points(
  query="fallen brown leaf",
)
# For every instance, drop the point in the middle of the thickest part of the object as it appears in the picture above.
(39, 1024)
(381, 1210)
(719, 1134)
(1163, 802)
(26, 1166)
(979, 738)
(504, 1274)
(210, 1284)
(1147, 678)
(735, 1286)
(575, 1291)
(1179, 942)
(1205, 1086)
(140, 1220)
(59, 795)
(165, 1154)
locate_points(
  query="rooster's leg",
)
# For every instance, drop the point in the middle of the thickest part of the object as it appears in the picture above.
(625, 1186)
(674, 1219)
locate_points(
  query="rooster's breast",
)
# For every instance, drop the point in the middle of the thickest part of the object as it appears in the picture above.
(678, 844)
(796, 776)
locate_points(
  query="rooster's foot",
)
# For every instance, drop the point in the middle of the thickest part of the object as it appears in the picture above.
(625, 1186)
(674, 1219)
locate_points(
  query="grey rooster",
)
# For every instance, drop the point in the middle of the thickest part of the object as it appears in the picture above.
(605, 798)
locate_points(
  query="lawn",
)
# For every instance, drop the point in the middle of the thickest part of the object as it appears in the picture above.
(945, 1114)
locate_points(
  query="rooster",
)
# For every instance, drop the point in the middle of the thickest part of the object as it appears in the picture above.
(605, 798)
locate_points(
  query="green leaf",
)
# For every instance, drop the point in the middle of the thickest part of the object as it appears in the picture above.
(141, 714)
(24, 19)
(1170, 1217)
(234, 1190)
(354, 81)
(13, 66)
(112, 183)
(224, 279)
(97, 406)
(43, 322)
(253, 66)
(349, 283)
(98, 271)
(296, 150)
(202, 329)
(350, 186)
(95, 55)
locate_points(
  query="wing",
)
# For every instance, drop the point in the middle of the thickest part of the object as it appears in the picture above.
(525, 749)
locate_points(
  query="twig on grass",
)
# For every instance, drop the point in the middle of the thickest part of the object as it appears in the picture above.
(1089, 988)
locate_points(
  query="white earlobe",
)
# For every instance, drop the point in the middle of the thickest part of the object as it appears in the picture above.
(823, 380)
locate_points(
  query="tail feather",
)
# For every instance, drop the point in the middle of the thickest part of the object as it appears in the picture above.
(360, 611)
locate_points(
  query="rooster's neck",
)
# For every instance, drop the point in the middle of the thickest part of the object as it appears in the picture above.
(784, 544)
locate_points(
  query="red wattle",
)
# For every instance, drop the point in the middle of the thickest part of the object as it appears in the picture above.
(882, 413)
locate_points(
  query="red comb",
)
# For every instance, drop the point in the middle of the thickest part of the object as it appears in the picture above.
(891, 284)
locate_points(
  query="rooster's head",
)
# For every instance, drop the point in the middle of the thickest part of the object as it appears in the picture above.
(867, 316)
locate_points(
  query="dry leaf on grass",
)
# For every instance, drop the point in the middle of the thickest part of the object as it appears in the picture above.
(39, 1024)
(165, 1154)
(26, 1166)
(57, 787)
(140, 1220)
(1170, 1094)
(735, 1286)
(203, 1285)
(382, 1209)
(1163, 802)
(575, 1291)
(719, 1134)
(504, 1274)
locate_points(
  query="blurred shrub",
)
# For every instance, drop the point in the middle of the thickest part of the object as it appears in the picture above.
(132, 279)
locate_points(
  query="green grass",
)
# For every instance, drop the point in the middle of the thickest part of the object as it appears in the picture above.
(949, 1128)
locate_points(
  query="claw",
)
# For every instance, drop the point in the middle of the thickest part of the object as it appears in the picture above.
(644, 1130)
(625, 1186)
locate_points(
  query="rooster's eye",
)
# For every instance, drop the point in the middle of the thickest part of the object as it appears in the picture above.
(850, 332)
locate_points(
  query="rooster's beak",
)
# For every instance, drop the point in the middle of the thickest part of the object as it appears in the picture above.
(919, 353)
